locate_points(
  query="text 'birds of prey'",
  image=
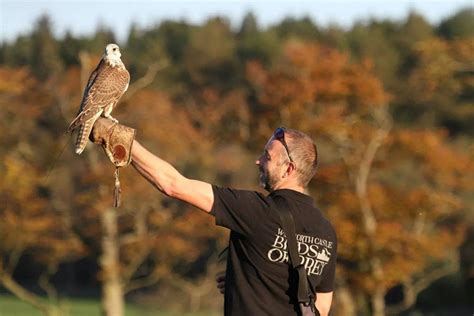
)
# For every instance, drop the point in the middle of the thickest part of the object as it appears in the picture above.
(106, 85)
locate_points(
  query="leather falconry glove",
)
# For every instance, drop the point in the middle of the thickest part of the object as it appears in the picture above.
(115, 139)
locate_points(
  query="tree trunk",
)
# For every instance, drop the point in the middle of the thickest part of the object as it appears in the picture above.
(378, 302)
(112, 287)
(344, 304)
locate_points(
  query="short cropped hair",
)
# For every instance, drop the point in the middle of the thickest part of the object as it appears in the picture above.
(304, 153)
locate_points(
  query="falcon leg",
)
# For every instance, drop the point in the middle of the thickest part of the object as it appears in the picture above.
(111, 118)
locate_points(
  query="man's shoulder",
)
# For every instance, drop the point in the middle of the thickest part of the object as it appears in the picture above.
(234, 192)
(326, 223)
(239, 210)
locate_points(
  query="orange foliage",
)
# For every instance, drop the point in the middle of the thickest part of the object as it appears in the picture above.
(313, 82)
(28, 225)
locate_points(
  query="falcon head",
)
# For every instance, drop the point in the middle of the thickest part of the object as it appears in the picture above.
(112, 53)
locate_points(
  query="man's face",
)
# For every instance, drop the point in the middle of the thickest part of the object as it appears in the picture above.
(269, 165)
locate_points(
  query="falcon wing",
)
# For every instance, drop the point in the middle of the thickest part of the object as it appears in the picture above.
(84, 132)
(90, 82)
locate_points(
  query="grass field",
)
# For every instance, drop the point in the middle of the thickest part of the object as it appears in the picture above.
(11, 306)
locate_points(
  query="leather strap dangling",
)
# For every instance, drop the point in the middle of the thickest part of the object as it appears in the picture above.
(117, 190)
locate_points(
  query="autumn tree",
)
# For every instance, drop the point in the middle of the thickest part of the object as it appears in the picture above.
(31, 227)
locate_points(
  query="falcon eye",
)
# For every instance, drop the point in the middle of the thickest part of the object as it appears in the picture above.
(114, 49)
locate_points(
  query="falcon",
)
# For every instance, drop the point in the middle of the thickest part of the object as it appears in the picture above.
(106, 85)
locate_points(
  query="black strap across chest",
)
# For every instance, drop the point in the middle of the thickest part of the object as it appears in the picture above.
(304, 295)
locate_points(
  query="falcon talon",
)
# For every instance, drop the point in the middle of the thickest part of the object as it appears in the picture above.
(113, 119)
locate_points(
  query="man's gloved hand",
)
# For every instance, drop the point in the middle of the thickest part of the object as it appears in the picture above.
(115, 139)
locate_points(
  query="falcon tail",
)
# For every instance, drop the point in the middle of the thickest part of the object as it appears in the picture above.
(82, 137)
(84, 132)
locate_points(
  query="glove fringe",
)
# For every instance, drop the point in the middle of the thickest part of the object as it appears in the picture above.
(117, 190)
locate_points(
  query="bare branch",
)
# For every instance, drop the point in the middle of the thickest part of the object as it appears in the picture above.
(46, 285)
(412, 289)
(146, 80)
(198, 288)
(142, 282)
(140, 235)
(15, 255)
(130, 269)
(10, 284)
(133, 237)
(382, 117)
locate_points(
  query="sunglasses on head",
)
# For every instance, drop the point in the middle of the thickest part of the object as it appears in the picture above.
(279, 134)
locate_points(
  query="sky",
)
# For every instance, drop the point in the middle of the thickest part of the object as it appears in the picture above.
(82, 17)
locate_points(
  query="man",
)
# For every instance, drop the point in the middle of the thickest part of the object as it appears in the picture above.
(259, 280)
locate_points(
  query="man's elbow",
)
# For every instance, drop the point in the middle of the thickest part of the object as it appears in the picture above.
(323, 303)
(171, 188)
(323, 311)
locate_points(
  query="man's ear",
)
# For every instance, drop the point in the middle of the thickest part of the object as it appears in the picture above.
(291, 168)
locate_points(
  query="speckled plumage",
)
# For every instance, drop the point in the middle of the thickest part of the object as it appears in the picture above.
(106, 85)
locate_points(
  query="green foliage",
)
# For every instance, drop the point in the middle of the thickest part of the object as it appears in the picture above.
(415, 29)
(175, 36)
(375, 41)
(45, 61)
(254, 44)
(303, 28)
(210, 56)
(69, 48)
(461, 25)
(103, 36)
(17, 53)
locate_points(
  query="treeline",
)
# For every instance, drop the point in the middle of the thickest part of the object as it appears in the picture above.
(214, 55)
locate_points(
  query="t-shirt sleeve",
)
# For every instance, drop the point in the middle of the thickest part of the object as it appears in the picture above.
(238, 210)
(327, 282)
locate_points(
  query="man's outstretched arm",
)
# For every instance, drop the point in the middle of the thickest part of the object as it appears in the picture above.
(168, 180)
(118, 142)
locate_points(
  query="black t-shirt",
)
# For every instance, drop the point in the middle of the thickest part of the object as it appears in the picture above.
(259, 280)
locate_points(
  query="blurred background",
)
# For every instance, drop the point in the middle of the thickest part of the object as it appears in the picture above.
(384, 88)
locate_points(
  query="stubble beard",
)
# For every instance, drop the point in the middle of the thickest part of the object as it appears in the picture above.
(266, 180)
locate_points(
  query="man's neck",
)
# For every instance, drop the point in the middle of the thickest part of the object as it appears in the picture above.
(288, 186)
